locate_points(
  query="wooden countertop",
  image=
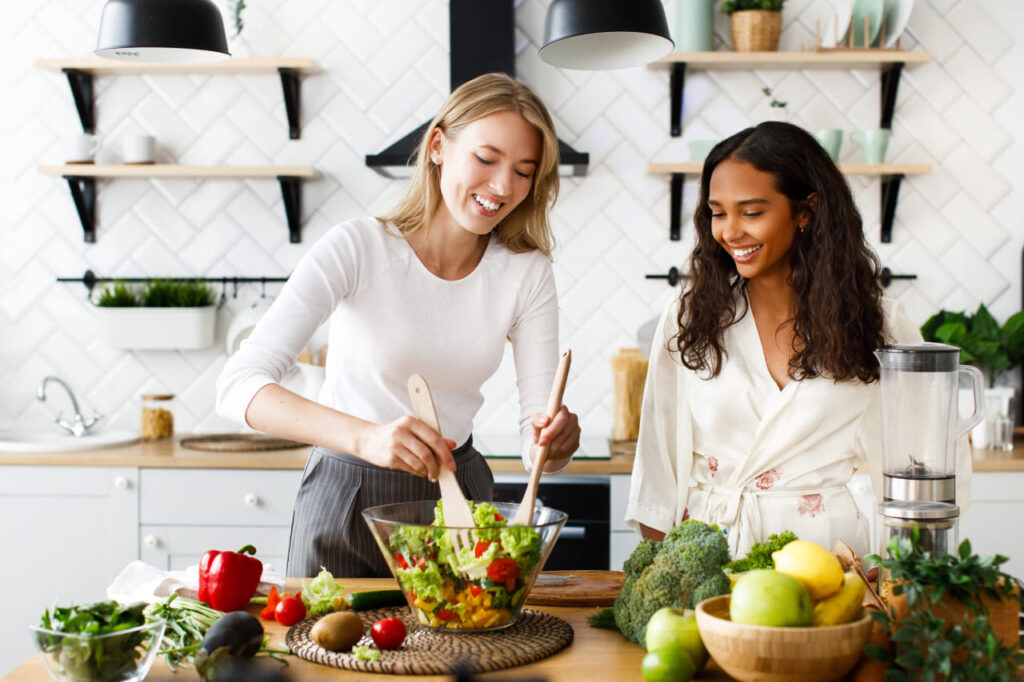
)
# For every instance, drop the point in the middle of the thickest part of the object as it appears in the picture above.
(594, 654)
(170, 454)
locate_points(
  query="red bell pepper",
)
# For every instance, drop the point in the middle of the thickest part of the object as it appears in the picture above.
(228, 580)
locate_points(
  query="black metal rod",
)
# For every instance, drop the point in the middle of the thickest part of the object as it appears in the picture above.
(90, 279)
(886, 277)
(672, 276)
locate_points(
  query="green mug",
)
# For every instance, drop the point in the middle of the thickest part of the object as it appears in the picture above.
(874, 142)
(832, 140)
(699, 149)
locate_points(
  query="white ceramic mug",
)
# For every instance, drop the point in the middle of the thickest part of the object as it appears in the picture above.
(138, 149)
(80, 148)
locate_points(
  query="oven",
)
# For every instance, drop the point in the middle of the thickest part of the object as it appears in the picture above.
(584, 542)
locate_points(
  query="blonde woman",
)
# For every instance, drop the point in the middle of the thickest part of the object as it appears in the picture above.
(435, 287)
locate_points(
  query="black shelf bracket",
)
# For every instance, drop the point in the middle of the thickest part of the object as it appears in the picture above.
(890, 84)
(83, 193)
(291, 192)
(81, 90)
(290, 86)
(677, 82)
(675, 227)
(890, 193)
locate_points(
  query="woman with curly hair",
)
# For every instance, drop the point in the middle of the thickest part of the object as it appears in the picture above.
(762, 397)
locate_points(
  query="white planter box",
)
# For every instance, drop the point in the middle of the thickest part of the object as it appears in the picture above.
(158, 328)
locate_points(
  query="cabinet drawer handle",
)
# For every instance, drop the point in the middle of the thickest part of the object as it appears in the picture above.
(121, 482)
(151, 541)
(573, 533)
(251, 500)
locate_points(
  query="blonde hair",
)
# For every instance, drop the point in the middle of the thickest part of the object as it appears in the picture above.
(526, 227)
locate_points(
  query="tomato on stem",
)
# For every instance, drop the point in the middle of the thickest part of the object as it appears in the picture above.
(388, 633)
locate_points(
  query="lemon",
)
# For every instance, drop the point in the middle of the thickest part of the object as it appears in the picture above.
(817, 567)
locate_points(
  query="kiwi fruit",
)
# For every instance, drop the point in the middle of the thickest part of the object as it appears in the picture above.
(338, 631)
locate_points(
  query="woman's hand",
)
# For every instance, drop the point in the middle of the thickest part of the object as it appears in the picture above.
(407, 444)
(561, 435)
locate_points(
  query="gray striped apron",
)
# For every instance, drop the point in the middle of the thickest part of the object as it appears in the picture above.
(328, 528)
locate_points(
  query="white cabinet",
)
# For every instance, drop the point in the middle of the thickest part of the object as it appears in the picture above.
(624, 538)
(993, 521)
(66, 533)
(184, 512)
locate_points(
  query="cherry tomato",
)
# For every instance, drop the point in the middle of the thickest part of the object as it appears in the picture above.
(503, 570)
(290, 610)
(388, 633)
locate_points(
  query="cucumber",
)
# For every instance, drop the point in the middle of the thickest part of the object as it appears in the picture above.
(375, 599)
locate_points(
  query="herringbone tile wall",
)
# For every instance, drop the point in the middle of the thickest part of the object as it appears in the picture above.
(385, 70)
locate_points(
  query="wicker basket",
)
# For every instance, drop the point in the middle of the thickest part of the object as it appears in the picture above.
(756, 30)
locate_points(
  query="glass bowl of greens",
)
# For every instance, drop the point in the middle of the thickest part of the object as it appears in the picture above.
(101, 642)
(464, 579)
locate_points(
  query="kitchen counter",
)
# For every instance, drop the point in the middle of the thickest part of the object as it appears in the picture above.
(593, 654)
(170, 454)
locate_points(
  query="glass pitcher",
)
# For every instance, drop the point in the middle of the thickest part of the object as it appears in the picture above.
(919, 384)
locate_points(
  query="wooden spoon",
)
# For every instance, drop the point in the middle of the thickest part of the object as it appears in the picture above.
(524, 515)
(457, 513)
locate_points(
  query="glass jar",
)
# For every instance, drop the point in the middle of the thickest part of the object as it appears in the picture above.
(936, 523)
(157, 416)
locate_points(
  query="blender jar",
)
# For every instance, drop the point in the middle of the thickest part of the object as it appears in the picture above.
(919, 384)
(936, 523)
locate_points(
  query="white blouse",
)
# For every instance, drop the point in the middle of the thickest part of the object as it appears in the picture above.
(391, 317)
(755, 459)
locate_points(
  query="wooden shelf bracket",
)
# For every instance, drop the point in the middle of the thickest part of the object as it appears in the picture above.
(291, 193)
(81, 91)
(290, 87)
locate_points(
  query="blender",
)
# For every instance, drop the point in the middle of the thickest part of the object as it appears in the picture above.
(920, 428)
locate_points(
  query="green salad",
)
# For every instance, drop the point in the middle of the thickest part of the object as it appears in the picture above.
(106, 645)
(478, 587)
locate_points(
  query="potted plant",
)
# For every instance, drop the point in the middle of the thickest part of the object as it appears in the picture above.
(161, 315)
(755, 24)
(947, 617)
(982, 342)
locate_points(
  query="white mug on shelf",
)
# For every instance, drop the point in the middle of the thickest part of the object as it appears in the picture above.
(138, 149)
(80, 148)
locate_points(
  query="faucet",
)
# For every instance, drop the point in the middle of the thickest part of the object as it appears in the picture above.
(81, 425)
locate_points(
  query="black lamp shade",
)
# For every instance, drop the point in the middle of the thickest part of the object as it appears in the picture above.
(162, 31)
(605, 34)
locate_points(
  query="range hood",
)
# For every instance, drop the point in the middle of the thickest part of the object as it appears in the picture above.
(482, 41)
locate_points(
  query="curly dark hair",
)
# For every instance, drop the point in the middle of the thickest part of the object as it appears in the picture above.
(838, 317)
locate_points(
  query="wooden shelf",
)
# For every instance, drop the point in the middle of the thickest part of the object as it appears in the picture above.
(80, 73)
(832, 59)
(155, 170)
(891, 175)
(846, 168)
(253, 65)
(81, 179)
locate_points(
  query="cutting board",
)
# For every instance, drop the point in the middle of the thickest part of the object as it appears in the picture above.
(576, 588)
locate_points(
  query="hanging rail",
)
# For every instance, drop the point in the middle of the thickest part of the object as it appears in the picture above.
(90, 279)
(885, 277)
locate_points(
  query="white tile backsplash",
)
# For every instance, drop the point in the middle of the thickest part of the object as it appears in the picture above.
(383, 71)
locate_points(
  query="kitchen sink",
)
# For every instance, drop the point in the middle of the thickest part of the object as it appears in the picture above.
(43, 441)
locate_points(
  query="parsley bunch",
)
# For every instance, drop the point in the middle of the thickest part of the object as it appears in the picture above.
(926, 638)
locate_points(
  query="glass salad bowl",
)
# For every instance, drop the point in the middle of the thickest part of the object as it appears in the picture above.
(464, 579)
(120, 656)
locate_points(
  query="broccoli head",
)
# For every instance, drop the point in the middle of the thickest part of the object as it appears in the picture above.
(681, 571)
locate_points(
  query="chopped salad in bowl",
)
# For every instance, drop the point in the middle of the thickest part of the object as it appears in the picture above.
(481, 586)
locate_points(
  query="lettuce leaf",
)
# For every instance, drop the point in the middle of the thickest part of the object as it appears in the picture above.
(322, 594)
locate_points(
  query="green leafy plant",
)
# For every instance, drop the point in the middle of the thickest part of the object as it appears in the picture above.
(235, 8)
(157, 293)
(776, 104)
(980, 339)
(730, 6)
(925, 639)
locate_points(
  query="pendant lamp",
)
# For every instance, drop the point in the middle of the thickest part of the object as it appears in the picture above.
(162, 31)
(605, 34)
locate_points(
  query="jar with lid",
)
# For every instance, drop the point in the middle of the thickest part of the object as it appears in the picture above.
(936, 524)
(157, 416)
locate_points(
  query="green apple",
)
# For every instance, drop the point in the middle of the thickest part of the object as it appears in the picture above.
(767, 597)
(676, 628)
(667, 665)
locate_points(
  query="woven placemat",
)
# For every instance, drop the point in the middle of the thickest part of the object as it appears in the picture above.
(534, 636)
(240, 442)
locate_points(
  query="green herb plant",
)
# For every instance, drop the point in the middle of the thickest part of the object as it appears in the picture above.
(730, 6)
(982, 342)
(157, 293)
(235, 8)
(925, 639)
(760, 554)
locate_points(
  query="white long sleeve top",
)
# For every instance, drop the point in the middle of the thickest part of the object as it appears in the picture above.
(390, 317)
(739, 451)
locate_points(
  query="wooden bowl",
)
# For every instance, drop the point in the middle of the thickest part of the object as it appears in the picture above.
(759, 653)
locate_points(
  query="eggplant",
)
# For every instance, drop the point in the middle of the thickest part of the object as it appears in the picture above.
(235, 635)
